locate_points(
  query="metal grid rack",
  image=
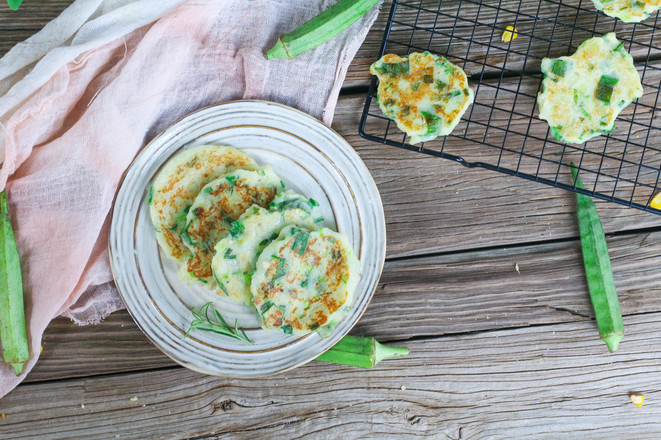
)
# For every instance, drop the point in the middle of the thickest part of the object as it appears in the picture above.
(622, 167)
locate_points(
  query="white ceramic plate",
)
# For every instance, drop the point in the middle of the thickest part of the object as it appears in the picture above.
(313, 160)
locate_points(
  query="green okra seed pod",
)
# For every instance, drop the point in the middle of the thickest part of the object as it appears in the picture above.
(598, 270)
(360, 352)
(320, 29)
(13, 334)
(14, 4)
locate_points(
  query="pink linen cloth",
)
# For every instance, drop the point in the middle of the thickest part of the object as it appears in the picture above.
(68, 144)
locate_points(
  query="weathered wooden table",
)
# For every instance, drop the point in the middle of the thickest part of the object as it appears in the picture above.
(496, 352)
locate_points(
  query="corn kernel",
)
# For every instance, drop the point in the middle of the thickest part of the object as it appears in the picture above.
(656, 201)
(510, 34)
(637, 399)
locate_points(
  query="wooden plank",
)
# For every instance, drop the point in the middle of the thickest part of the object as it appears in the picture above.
(422, 297)
(480, 49)
(456, 37)
(549, 381)
(17, 26)
(434, 205)
(479, 291)
(116, 345)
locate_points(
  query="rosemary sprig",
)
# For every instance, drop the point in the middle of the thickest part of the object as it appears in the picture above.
(221, 327)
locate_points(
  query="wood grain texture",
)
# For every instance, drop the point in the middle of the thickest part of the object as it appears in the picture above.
(552, 381)
(454, 205)
(434, 205)
(113, 346)
(32, 16)
(495, 353)
(479, 50)
(421, 297)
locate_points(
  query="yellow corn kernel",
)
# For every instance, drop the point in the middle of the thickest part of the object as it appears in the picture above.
(656, 201)
(510, 34)
(637, 399)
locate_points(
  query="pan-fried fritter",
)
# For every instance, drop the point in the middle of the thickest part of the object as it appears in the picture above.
(583, 94)
(425, 94)
(305, 280)
(179, 182)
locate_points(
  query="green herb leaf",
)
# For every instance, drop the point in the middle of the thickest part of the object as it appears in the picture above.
(433, 122)
(268, 240)
(221, 286)
(185, 237)
(265, 307)
(281, 270)
(555, 131)
(604, 90)
(394, 69)
(229, 255)
(559, 68)
(247, 278)
(151, 195)
(181, 218)
(237, 228)
(203, 322)
(301, 242)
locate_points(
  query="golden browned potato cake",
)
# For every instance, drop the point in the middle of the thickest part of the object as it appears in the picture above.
(629, 11)
(179, 182)
(583, 94)
(215, 213)
(305, 280)
(425, 94)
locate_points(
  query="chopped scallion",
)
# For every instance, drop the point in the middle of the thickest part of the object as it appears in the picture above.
(559, 68)
(604, 90)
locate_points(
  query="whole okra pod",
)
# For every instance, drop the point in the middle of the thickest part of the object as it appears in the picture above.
(321, 28)
(360, 352)
(598, 269)
(13, 334)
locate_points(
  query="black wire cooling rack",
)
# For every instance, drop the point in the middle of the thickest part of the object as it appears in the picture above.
(623, 167)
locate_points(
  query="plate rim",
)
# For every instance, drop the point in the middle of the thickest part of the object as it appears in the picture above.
(382, 225)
